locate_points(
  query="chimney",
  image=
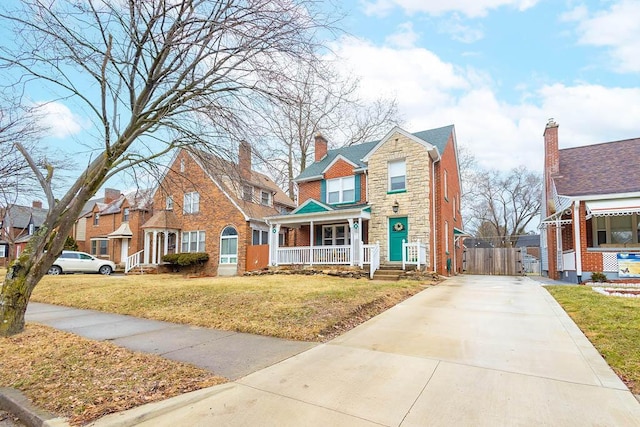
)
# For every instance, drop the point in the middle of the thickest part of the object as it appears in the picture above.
(551, 157)
(111, 194)
(36, 204)
(244, 159)
(320, 147)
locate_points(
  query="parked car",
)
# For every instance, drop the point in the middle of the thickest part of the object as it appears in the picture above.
(80, 262)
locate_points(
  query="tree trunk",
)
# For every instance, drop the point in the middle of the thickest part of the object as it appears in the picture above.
(14, 297)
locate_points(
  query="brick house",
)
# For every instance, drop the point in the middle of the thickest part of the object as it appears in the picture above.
(208, 204)
(396, 200)
(111, 229)
(591, 209)
(17, 224)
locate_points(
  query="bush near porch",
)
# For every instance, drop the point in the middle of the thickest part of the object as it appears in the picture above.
(308, 308)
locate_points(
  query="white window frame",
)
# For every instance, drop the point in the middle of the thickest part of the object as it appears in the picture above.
(191, 203)
(334, 239)
(635, 230)
(262, 236)
(265, 201)
(228, 258)
(169, 203)
(446, 185)
(340, 186)
(96, 246)
(126, 213)
(32, 229)
(396, 169)
(3, 251)
(193, 241)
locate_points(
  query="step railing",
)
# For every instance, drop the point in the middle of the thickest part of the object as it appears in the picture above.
(371, 256)
(133, 261)
(414, 253)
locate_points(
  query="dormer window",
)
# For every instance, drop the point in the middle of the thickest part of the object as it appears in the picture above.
(169, 204)
(247, 193)
(96, 219)
(125, 214)
(31, 229)
(265, 198)
(341, 190)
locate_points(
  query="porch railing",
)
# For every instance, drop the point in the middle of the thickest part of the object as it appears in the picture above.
(371, 256)
(132, 261)
(315, 255)
(414, 253)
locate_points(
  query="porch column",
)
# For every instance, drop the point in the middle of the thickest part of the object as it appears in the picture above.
(576, 237)
(352, 234)
(166, 242)
(311, 240)
(274, 244)
(360, 245)
(155, 247)
(147, 236)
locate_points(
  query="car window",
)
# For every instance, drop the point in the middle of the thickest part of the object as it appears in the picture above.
(69, 255)
(85, 256)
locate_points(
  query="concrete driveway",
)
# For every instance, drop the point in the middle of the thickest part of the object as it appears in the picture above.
(475, 351)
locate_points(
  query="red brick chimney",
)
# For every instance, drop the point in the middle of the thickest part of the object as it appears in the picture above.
(320, 147)
(111, 194)
(36, 204)
(244, 159)
(551, 157)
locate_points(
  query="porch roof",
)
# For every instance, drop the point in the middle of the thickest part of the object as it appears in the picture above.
(124, 231)
(613, 207)
(328, 214)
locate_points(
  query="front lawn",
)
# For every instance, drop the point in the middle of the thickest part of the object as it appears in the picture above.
(612, 324)
(311, 308)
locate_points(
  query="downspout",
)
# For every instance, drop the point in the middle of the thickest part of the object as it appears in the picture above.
(576, 234)
(434, 227)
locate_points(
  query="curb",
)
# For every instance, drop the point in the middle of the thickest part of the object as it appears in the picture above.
(14, 401)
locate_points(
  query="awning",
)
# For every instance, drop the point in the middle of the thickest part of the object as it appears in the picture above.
(613, 207)
(123, 232)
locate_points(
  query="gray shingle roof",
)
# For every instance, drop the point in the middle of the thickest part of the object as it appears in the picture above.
(607, 168)
(354, 153)
(18, 216)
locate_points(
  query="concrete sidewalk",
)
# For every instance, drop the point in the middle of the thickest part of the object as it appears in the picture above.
(475, 351)
(228, 354)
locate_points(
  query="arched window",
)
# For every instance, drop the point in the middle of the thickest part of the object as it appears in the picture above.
(229, 246)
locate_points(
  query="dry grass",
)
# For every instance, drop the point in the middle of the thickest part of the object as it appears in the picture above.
(308, 308)
(83, 380)
(612, 324)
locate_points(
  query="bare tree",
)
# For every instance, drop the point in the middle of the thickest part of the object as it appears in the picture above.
(150, 73)
(318, 100)
(503, 204)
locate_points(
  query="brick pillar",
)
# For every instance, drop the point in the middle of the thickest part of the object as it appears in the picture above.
(320, 147)
(111, 194)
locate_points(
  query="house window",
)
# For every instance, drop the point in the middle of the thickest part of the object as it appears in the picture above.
(282, 241)
(455, 206)
(125, 214)
(446, 185)
(335, 235)
(191, 203)
(260, 237)
(617, 230)
(99, 247)
(169, 203)
(193, 241)
(397, 175)
(3, 251)
(341, 190)
(181, 165)
(31, 229)
(96, 219)
(229, 246)
(265, 198)
(247, 193)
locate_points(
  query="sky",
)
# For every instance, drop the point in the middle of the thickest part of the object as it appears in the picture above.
(496, 69)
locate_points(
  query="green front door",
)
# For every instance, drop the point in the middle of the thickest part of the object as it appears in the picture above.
(397, 233)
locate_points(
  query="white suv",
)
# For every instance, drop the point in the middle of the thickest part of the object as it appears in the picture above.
(80, 262)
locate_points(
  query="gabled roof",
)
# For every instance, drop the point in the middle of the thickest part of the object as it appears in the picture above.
(18, 216)
(607, 168)
(163, 219)
(357, 154)
(229, 179)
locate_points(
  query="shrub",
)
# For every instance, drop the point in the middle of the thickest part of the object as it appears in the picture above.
(187, 258)
(70, 244)
(598, 276)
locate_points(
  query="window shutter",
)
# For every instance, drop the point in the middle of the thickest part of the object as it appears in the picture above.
(356, 183)
(323, 191)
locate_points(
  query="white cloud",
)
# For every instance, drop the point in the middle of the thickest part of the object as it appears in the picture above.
(459, 31)
(404, 37)
(58, 120)
(470, 8)
(502, 135)
(617, 29)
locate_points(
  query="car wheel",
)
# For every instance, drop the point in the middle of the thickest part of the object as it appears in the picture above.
(54, 270)
(105, 269)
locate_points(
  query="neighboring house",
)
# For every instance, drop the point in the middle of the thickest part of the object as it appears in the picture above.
(397, 199)
(591, 209)
(17, 225)
(531, 242)
(112, 228)
(208, 204)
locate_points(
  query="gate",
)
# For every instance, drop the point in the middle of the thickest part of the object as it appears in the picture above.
(498, 261)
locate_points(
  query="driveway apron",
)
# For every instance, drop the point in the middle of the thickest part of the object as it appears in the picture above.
(473, 351)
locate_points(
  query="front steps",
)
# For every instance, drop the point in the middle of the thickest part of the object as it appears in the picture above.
(390, 272)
